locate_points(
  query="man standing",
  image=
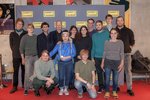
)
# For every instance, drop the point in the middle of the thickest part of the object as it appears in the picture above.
(127, 36)
(14, 41)
(98, 41)
(42, 39)
(55, 36)
(109, 20)
(90, 26)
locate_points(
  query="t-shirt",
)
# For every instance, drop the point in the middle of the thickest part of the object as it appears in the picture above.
(85, 70)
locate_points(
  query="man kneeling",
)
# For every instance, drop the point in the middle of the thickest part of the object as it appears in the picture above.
(85, 75)
(44, 74)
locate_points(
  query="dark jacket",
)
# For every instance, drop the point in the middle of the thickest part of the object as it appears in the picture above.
(84, 43)
(42, 43)
(127, 36)
(14, 41)
(53, 38)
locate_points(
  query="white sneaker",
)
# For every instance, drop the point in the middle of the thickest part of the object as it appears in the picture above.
(66, 91)
(60, 92)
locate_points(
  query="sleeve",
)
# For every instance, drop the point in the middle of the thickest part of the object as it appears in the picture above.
(38, 45)
(77, 47)
(104, 53)
(11, 40)
(92, 66)
(73, 51)
(37, 71)
(22, 45)
(76, 67)
(54, 50)
(52, 71)
(122, 50)
(131, 38)
(93, 48)
(90, 44)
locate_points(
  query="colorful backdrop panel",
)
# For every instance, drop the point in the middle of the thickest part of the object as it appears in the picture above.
(69, 15)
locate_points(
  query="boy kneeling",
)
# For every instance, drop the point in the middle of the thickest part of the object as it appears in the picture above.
(85, 75)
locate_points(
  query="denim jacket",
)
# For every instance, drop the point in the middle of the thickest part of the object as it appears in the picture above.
(64, 49)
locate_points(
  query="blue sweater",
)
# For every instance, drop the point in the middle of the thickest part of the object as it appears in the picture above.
(64, 49)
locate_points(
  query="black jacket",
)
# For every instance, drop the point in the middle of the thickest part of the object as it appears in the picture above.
(53, 38)
(84, 43)
(42, 43)
(127, 36)
(14, 41)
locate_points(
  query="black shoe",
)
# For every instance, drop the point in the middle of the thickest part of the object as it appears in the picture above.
(100, 90)
(118, 89)
(130, 92)
(37, 93)
(13, 90)
(26, 92)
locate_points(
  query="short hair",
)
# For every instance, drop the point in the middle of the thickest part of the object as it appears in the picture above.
(91, 19)
(44, 23)
(99, 21)
(84, 51)
(20, 20)
(65, 32)
(44, 51)
(30, 24)
(108, 15)
(120, 17)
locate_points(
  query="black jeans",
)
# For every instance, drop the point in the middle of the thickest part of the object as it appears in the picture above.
(17, 62)
(37, 84)
(100, 72)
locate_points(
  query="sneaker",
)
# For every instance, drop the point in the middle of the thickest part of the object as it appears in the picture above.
(114, 94)
(100, 90)
(26, 92)
(66, 92)
(107, 95)
(60, 92)
(80, 96)
(130, 92)
(13, 90)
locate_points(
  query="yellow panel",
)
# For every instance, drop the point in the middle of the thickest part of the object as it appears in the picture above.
(48, 13)
(27, 14)
(70, 13)
(92, 13)
(37, 24)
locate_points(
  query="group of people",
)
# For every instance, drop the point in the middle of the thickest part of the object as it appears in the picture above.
(72, 58)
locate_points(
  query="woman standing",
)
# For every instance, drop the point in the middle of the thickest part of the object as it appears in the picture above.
(84, 41)
(73, 33)
(66, 52)
(113, 60)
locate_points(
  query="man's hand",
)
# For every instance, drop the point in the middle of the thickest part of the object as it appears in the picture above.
(23, 61)
(93, 88)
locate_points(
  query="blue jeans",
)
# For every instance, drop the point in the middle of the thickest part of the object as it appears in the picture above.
(114, 77)
(64, 71)
(78, 85)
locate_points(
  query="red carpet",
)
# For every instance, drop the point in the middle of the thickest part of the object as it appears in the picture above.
(141, 89)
